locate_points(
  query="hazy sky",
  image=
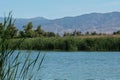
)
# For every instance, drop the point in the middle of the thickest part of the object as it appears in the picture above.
(56, 8)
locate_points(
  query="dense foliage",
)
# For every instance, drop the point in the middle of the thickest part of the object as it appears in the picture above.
(30, 32)
(38, 39)
(27, 32)
(70, 43)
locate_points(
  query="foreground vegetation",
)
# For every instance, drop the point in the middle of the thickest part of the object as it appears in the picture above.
(11, 65)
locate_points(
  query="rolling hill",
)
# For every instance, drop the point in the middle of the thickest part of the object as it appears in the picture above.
(100, 22)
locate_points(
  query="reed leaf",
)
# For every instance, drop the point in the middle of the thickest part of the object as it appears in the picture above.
(10, 62)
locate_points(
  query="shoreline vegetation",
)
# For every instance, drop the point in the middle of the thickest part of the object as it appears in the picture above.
(11, 66)
(81, 43)
(38, 39)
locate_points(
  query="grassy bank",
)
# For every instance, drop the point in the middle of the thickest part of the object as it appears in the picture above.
(81, 43)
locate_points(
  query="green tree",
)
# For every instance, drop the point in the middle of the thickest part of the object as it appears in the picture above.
(78, 33)
(22, 34)
(1, 29)
(50, 34)
(12, 31)
(67, 34)
(28, 31)
(39, 31)
(117, 32)
(87, 33)
(94, 33)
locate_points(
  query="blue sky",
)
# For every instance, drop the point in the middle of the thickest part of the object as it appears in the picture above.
(56, 8)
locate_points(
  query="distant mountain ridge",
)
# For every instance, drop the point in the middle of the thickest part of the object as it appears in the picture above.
(99, 22)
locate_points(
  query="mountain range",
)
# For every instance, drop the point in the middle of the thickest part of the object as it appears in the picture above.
(99, 22)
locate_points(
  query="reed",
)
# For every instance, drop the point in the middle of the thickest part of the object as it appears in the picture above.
(106, 43)
(11, 67)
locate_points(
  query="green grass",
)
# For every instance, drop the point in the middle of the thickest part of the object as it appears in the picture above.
(81, 43)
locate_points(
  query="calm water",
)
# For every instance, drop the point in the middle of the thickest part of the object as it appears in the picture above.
(80, 66)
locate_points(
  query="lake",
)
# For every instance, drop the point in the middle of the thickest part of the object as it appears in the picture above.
(79, 66)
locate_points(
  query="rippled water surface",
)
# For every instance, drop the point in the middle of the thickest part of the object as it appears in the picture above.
(80, 66)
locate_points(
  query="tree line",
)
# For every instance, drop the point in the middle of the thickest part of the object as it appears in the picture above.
(38, 39)
(29, 32)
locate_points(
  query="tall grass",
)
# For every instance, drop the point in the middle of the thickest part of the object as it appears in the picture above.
(11, 66)
(71, 43)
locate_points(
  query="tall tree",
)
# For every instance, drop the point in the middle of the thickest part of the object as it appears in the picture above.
(28, 30)
(12, 31)
(1, 29)
(39, 31)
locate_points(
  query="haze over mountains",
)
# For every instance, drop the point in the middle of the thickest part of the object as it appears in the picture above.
(99, 22)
